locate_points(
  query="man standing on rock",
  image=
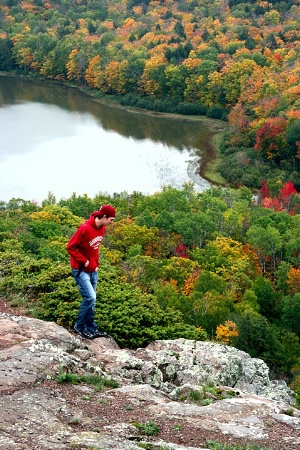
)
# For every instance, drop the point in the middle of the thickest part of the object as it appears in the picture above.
(84, 260)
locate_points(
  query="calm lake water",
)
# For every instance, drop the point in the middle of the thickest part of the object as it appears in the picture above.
(56, 139)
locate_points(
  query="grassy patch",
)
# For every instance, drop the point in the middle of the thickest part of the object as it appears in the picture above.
(206, 395)
(98, 382)
(211, 170)
(216, 446)
(148, 428)
(129, 408)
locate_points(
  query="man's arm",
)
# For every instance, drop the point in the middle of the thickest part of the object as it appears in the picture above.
(74, 246)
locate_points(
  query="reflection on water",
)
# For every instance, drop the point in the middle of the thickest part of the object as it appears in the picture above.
(56, 139)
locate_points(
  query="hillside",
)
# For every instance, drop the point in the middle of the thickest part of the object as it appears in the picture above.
(231, 60)
(216, 266)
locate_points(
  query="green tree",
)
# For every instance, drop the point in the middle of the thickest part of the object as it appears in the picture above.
(125, 233)
(55, 63)
(214, 205)
(175, 77)
(268, 243)
(50, 200)
(292, 136)
(266, 298)
(258, 338)
(6, 60)
(249, 301)
(291, 313)
(194, 228)
(81, 205)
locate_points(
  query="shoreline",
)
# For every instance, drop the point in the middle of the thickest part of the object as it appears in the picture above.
(208, 155)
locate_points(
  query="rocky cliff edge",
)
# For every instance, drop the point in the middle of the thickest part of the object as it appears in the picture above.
(171, 395)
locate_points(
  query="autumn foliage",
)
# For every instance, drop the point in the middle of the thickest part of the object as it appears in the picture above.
(227, 333)
(238, 61)
(156, 281)
(270, 140)
(281, 202)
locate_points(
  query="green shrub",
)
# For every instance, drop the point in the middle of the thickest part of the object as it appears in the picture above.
(97, 381)
(149, 428)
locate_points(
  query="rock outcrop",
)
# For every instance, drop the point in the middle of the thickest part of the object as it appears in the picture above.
(200, 389)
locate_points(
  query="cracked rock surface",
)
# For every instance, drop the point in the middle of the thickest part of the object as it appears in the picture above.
(152, 407)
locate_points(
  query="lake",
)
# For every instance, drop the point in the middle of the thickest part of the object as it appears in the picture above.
(56, 139)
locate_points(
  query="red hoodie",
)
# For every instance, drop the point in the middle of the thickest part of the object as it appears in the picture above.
(83, 245)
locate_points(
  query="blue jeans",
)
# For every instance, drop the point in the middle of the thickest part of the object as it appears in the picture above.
(87, 285)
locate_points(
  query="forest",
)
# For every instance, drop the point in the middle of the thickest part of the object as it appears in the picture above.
(220, 265)
(233, 60)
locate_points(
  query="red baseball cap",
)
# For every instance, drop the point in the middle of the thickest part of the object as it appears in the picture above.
(105, 210)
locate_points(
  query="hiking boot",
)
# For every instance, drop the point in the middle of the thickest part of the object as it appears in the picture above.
(83, 334)
(98, 334)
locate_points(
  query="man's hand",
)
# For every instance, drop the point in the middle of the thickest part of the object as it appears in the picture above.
(86, 264)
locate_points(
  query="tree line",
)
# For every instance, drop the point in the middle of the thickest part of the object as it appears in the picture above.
(234, 60)
(219, 265)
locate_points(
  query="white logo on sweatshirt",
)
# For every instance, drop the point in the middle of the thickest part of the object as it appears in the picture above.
(96, 242)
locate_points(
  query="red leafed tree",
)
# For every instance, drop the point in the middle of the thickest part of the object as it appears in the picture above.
(285, 195)
(181, 251)
(272, 203)
(287, 190)
(264, 190)
(270, 141)
(282, 202)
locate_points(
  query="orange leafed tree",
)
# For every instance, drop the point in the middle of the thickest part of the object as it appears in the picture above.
(27, 6)
(93, 72)
(293, 280)
(190, 281)
(272, 203)
(238, 121)
(227, 333)
(115, 76)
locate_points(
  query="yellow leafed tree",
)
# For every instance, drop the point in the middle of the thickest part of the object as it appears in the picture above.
(227, 333)
(75, 65)
(147, 84)
(93, 72)
(115, 76)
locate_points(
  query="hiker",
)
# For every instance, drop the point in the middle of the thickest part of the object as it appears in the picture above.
(84, 260)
